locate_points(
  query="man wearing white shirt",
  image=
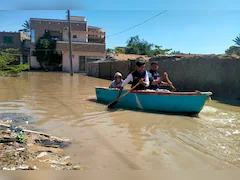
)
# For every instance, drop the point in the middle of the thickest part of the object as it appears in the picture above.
(139, 75)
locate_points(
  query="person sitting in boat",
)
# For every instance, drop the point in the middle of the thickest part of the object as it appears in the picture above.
(139, 76)
(117, 80)
(156, 81)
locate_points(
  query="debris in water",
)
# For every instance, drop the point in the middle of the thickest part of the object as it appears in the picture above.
(22, 149)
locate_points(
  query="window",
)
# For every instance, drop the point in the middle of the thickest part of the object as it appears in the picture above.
(75, 36)
(33, 36)
(55, 38)
(7, 39)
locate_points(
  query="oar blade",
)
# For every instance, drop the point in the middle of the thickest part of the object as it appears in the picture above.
(112, 104)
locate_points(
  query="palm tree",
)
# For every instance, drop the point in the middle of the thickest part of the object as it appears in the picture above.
(26, 26)
(237, 40)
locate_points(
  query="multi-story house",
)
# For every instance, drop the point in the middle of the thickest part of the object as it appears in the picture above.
(88, 42)
(16, 40)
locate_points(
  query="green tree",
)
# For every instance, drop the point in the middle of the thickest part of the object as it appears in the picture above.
(137, 46)
(175, 52)
(233, 50)
(158, 50)
(109, 51)
(9, 62)
(46, 51)
(119, 50)
(237, 40)
(26, 27)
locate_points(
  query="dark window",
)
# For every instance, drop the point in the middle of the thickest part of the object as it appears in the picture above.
(33, 53)
(7, 39)
(74, 36)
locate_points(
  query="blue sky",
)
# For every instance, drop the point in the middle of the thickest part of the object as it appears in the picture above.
(201, 30)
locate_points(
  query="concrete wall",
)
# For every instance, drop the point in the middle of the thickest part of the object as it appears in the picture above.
(221, 76)
(16, 41)
(34, 63)
(75, 59)
(207, 73)
(106, 70)
(93, 69)
(80, 37)
(40, 25)
(66, 62)
(120, 66)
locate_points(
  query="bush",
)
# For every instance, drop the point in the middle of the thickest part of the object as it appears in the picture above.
(7, 60)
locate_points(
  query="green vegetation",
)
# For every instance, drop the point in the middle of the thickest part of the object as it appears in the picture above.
(141, 47)
(46, 53)
(9, 63)
(26, 28)
(175, 52)
(234, 50)
(237, 40)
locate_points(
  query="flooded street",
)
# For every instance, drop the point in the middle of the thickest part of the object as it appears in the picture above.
(64, 106)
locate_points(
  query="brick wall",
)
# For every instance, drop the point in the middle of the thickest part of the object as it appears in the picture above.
(81, 47)
(16, 41)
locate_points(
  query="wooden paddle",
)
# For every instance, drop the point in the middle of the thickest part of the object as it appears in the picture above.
(110, 105)
(169, 82)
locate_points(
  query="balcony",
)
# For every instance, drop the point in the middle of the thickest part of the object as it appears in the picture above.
(85, 36)
(83, 41)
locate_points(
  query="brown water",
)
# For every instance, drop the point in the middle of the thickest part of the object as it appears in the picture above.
(122, 139)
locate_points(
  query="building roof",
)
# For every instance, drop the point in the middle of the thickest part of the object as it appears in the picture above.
(56, 20)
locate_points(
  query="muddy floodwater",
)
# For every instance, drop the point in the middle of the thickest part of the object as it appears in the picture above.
(120, 139)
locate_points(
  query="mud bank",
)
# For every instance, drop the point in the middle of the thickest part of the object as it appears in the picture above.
(22, 149)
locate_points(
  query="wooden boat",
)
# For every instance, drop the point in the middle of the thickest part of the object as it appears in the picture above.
(185, 102)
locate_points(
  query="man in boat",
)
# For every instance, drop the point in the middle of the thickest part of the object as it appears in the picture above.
(117, 80)
(140, 75)
(156, 81)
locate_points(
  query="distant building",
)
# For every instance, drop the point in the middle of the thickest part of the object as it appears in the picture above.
(16, 40)
(88, 42)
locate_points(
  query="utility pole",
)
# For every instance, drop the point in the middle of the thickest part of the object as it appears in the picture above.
(70, 43)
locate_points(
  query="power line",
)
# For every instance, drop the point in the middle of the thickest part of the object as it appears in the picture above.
(137, 24)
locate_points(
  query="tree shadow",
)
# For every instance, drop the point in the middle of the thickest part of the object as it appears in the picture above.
(117, 108)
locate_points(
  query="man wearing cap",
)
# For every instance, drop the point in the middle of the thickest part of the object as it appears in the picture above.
(155, 78)
(117, 80)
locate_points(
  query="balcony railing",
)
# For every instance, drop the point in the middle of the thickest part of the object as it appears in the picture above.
(92, 37)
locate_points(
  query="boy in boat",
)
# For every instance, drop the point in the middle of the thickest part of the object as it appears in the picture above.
(156, 81)
(117, 80)
(140, 75)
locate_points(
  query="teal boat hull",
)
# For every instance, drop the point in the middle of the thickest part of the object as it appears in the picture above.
(185, 102)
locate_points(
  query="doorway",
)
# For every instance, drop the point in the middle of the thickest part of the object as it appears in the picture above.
(82, 64)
